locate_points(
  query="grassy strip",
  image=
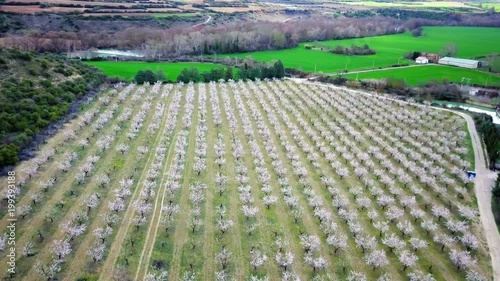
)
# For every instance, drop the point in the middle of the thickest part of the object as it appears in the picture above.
(417, 76)
(127, 70)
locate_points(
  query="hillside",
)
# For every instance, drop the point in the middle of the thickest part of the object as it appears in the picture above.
(36, 90)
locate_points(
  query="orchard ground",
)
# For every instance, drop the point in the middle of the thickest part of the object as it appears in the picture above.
(241, 179)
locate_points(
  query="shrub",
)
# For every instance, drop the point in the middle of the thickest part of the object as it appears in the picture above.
(8, 154)
(354, 50)
(148, 75)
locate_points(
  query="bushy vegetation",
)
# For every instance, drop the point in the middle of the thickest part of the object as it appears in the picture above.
(192, 74)
(36, 90)
(353, 50)
(495, 202)
(148, 75)
(275, 70)
(490, 132)
(247, 71)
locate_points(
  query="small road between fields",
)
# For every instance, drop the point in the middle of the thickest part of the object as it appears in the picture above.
(203, 23)
(289, 19)
(484, 182)
(390, 68)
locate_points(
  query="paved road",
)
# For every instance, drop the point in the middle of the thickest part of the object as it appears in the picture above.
(485, 179)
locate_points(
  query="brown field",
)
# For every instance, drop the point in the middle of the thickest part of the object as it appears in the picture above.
(271, 17)
(189, 8)
(110, 10)
(73, 2)
(235, 9)
(193, 1)
(164, 10)
(36, 9)
(146, 11)
(132, 14)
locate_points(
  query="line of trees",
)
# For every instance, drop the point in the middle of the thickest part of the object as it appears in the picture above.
(490, 132)
(148, 75)
(495, 202)
(353, 50)
(244, 72)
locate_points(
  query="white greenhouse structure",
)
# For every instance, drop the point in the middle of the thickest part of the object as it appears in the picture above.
(459, 62)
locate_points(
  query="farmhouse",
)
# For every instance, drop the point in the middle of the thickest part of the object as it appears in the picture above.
(421, 60)
(459, 62)
(431, 57)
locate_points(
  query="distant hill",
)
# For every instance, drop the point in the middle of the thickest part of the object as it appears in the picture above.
(36, 90)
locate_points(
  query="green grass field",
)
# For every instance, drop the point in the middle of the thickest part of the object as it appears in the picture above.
(495, 6)
(127, 70)
(422, 74)
(422, 4)
(389, 48)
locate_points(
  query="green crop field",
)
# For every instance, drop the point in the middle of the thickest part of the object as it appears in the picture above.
(389, 48)
(421, 74)
(127, 70)
(495, 6)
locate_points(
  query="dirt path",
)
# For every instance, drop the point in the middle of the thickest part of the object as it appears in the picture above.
(155, 218)
(289, 19)
(118, 242)
(76, 267)
(203, 23)
(390, 68)
(485, 179)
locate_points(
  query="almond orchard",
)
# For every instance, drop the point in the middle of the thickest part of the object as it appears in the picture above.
(257, 180)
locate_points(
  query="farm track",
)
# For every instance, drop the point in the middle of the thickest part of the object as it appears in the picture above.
(155, 219)
(129, 168)
(148, 247)
(119, 239)
(483, 184)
